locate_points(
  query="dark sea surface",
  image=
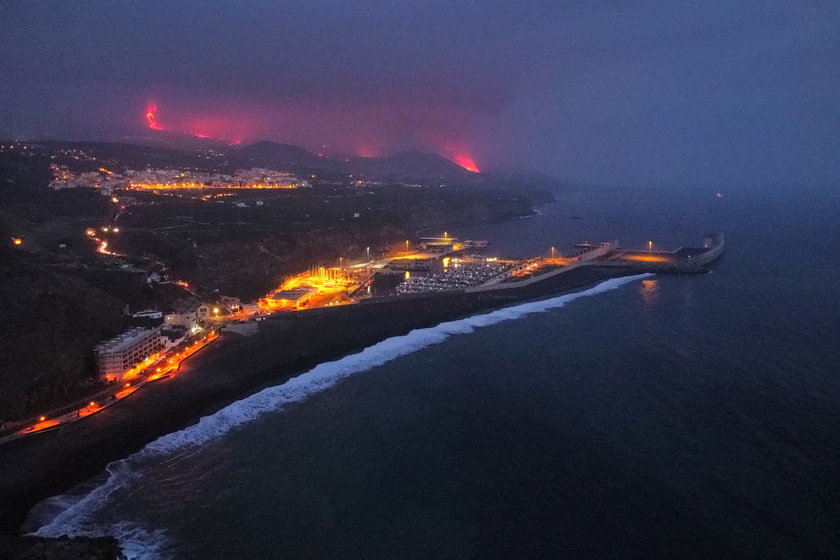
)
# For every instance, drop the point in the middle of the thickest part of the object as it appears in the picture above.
(662, 417)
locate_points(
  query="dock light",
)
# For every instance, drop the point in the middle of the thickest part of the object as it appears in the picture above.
(42, 418)
(17, 240)
(650, 246)
(92, 403)
(116, 230)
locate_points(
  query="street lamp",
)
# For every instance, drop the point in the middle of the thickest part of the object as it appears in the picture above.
(650, 246)
(552, 252)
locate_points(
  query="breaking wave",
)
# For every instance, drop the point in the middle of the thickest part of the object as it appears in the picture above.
(74, 515)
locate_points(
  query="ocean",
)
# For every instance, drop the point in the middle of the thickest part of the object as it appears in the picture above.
(644, 417)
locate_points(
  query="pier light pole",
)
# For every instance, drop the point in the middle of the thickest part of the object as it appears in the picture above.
(650, 246)
(406, 244)
(367, 250)
(552, 252)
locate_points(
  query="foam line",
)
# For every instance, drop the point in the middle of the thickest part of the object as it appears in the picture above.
(75, 518)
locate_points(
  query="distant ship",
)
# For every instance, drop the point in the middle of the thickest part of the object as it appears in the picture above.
(584, 245)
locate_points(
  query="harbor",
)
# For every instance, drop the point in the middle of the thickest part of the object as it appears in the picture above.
(285, 344)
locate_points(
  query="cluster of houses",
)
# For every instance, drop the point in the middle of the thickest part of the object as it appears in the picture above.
(152, 332)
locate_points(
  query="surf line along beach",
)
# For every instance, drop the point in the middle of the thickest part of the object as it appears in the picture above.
(43, 466)
(75, 514)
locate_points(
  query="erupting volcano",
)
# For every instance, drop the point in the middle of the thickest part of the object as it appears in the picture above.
(151, 109)
(232, 125)
(466, 162)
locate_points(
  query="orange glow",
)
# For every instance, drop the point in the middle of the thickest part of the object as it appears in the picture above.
(466, 162)
(17, 240)
(92, 408)
(291, 184)
(151, 118)
(648, 258)
(42, 425)
(125, 392)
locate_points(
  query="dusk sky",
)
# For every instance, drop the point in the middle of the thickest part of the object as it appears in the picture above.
(650, 92)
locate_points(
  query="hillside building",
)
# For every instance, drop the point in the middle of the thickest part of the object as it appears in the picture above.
(118, 356)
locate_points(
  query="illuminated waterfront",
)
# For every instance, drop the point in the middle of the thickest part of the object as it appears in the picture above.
(567, 428)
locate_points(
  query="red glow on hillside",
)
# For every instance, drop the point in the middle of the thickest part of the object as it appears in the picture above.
(466, 162)
(367, 151)
(151, 118)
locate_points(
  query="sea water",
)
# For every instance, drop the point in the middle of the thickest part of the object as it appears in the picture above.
(649, 417)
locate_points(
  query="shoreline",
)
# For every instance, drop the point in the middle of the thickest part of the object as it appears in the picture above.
(52, 463)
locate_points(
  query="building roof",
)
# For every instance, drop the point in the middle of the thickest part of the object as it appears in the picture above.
(292, 295)
(124, 340)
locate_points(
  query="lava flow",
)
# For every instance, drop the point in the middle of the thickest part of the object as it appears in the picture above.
(151, 109)
(466, 162)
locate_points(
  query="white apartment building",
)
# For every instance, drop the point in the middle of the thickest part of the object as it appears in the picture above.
(118, 355)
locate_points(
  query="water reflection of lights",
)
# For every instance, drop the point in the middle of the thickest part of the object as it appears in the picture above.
(649, 290)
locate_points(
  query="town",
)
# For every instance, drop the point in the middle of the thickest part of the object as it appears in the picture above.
(197, 254)
(126, 239)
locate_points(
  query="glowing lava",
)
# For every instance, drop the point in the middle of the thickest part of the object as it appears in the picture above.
(151, 109)
(466, 162)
